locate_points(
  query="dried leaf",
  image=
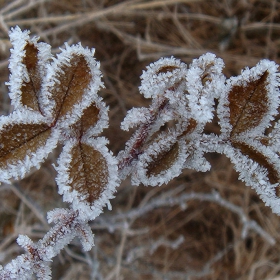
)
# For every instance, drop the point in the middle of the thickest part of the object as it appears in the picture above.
(87, 175)
(28, 65)
(88, 172)
(89, 118)
(71, 82)
(19, 140)
(166, 68)
(248, 104)
(190, 127)
(26, 140)
(204, 83)
(256, 156)
(164, 75)
(162, 160)
(30, 88)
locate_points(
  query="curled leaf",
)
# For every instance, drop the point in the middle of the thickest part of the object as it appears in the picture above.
(85, 235)
(166, 68)
(166, 74)
(163, 161)
(204, 82)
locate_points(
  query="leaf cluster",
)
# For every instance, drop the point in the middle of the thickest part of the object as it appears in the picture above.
(56, 101)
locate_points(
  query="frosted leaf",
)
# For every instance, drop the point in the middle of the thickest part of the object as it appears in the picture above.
(256, 167)
(161, 161)
(195, 147)
(245, 110)
(273, 138)
(87, 175)
(256, 176)
(92, 121)
(19, 268)
(264, 157)
(135, 116)
(72, 84)
(85, 235)
(154, 118)
(204, 82)
(28, 68)
(196, 159)
(62, 233)
(164, 75)
(58, 214)
(26, 140)
(25, 242)
(38, 256)
(250, 100)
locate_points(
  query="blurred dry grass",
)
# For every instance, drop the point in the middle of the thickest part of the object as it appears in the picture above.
(127, 36)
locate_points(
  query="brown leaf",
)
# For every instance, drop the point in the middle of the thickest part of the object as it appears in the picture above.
(88, 172)
(167, 68)
(190, 127)
(29, 96)
(248, 104)
(71, 82)
(89, 118)
(19, 140)
(206, 75)
(273, 175)
(163, 160)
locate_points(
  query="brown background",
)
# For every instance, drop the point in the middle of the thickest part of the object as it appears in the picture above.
(127, 36)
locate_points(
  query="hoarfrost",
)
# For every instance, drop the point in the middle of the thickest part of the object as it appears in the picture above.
(161, 76)
(183, 101)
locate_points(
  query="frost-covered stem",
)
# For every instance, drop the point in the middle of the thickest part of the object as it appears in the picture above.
(40, 254)
(141, 135)
(64, 229)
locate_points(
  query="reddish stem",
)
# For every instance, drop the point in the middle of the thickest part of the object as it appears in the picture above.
(141, 135)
